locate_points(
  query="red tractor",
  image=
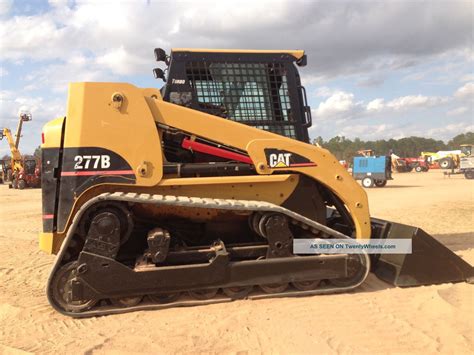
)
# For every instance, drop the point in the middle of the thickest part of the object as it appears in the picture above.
(405, 165)
(28, 176)
(419, 164)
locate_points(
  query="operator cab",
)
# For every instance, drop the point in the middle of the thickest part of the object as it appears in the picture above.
(466, 149)
(258, 88)
(30, 166)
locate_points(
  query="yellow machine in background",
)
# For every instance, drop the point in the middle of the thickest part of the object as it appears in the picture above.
(15, 153)
(202, 188)
(23, 171)
(449, 159)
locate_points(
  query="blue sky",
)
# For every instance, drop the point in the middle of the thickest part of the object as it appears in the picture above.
(375, 69)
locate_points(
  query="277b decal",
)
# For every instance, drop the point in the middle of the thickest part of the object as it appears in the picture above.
(91, 161)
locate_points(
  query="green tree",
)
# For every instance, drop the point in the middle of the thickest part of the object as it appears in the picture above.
(344, 148)
(463, 138)
(37, 153)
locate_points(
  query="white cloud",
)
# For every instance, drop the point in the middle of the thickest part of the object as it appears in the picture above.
(5, 6)
(467, 77)
(376, 105)
(412, 101)
(465, 92)
(451, 129)
(40, 108)
(121, 61)
(56, 77)
(341, 37)
(368, 131)
(340, 104)
(324, 91)
(458, 111)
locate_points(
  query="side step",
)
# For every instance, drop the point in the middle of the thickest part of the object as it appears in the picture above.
(429, 263)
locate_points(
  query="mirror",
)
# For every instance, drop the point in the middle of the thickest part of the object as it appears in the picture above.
(159, 74)
(160, 55)
(303, 61)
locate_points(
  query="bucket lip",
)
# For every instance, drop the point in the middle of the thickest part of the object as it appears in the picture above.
(430, 263)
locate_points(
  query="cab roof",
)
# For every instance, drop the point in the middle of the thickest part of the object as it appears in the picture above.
(297, 53)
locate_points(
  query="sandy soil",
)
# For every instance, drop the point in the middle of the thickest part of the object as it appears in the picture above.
(375, 318)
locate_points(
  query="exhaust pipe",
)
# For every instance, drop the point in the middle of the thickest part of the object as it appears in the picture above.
(429, 263)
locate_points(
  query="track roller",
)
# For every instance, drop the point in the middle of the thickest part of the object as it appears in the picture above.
(126, 301)
(306, 285)
(237, 292)
(165, 297)
(204, 294)
(274, 288)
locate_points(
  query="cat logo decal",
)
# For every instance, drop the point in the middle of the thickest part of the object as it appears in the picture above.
(281, 160)
(278, 159)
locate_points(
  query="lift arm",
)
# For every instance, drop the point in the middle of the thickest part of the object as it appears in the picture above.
(11, 142)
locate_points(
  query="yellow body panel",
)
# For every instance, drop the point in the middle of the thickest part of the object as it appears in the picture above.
(94, 119)
(53, 130)
(297, 53)
(274, 189)
(46, 242)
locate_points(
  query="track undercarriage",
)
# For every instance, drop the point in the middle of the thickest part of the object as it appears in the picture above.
(133, 251)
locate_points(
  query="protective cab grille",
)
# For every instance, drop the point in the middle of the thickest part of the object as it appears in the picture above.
(252, 93)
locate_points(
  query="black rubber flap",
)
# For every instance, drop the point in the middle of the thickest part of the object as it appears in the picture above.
(429, 263)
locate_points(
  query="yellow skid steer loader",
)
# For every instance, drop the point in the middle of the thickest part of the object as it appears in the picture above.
(197, 193)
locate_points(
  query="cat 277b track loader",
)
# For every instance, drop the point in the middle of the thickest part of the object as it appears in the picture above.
(194, 193)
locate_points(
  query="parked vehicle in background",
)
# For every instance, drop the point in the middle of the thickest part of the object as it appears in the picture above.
(467, 167)
(29, 174)
(448, 159)
(6, 170)
(399, 165)
(24, 170)
(372, 170)
(404, 165)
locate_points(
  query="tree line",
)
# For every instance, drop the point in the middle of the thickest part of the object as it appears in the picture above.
(345, 149)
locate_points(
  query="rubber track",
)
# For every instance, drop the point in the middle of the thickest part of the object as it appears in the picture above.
(183, 201)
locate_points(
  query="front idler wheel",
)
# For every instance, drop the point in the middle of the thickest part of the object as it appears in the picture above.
(356, 271)
(62, 289)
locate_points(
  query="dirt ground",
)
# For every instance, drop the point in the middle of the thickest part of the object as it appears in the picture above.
(376, 318)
